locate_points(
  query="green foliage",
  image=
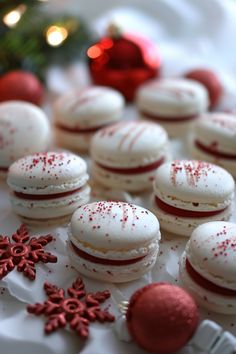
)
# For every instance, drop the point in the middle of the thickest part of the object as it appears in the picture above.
(25, 46)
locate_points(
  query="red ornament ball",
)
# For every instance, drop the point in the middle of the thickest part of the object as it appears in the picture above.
(21, 85)
(162, 318)
(210, 80)
(124, 62)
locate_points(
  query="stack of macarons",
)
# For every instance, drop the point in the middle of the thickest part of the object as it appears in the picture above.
(207, 266)
(188, 193)
(113, 241)
(24, 129)
(79, 114)
(174, 103)
(126, 155)
(46, 188)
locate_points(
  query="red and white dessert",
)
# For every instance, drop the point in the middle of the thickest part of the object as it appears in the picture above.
(188, 193)
(126, 155)
(113, 241)
(173, 103)
(24, 129)
(214, 140)
(79, 114)
(207, 266)
(48, 187)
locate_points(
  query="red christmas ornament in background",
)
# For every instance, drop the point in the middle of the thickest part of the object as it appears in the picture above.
(21, 85)
(123, 61)
(210, 80)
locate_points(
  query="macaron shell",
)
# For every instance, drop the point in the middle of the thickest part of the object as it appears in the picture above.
(114, 274)
(174, 129)
(49, 172)
(212, 252)
(183, 226)
(90, 107)
(52, 208)
(73, 141)
(218, 130)
(24, 129)
(128, 182)
(172, 97)
(129, 144)
(114, 226)
(229, 165)
(193, 181)
(209, 300)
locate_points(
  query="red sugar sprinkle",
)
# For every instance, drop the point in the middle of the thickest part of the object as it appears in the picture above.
(194, 171)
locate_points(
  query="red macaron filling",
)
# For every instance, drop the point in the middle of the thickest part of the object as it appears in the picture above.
(45, 196)
(206, 284)
(98, 260)
(185, 213)
(134, 170)
(3, 169)
(172, 119)
(78, 130)
(210, 150)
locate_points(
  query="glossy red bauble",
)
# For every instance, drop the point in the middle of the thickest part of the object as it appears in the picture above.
(21, 85)
(210, 80)
(123, 62)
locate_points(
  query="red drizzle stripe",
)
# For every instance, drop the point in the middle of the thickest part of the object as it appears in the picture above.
(79, 130)
(44, 196)
(185, 213)
(134, 170)
(206, 284)
(168, 119)
(115, 262)
(214, 152)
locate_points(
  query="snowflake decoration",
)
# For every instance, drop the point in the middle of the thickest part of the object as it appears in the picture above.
(72, 310)
(23, 253)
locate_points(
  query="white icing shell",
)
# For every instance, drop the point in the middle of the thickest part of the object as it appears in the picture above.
(89, 107)
(219, 130)
(190, 181)
(172, 97)
(115, 226)
(24, 129)
(129, 144)
(48, 172)
(212, 252)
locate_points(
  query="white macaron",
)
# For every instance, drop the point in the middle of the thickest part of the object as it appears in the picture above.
(188, 193)
(79, 114)
(126, 155)
(214, 140)
(24, 129)
(113, 241)
(173, 103)
(48, 187)
(207, 266)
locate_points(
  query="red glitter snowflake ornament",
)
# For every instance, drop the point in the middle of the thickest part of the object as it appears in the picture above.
(62, 310)
(23, 253)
